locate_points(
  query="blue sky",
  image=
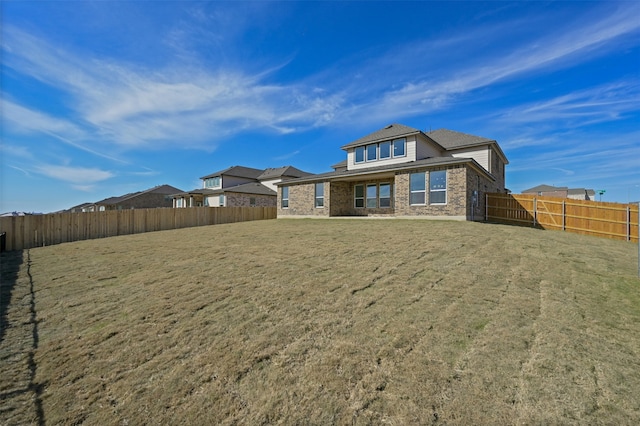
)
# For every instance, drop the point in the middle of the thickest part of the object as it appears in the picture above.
(103, 98)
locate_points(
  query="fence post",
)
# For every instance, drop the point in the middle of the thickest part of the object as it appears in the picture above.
(535, 212)
(628, 223)
(564, 214)
(486, 207)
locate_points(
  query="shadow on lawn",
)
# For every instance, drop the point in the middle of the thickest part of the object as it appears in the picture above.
(10, 263)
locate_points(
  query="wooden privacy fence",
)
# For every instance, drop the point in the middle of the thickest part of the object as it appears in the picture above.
(610, 220)
(23, 232)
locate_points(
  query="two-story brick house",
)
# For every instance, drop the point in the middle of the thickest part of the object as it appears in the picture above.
(399, 171)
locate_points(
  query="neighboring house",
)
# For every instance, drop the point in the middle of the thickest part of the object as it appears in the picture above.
(399, 171)
(562, 192)
(159, 196)
(238, 186)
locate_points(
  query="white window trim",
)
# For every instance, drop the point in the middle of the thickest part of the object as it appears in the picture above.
(445, 190)
(393, 151)
(316, 197)
(364, 155)
(366, 152)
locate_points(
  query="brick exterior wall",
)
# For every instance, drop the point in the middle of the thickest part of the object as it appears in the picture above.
(462, 181)
(236, 199)
(456, 194)
(302, 201)
(343, 196)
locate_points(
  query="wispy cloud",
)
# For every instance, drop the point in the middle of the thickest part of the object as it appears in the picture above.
(192, 105)
(75, 175)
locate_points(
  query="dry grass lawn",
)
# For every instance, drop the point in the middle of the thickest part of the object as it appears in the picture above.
(323, 322)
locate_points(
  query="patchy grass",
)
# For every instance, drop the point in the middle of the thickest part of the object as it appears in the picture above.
(323, 322)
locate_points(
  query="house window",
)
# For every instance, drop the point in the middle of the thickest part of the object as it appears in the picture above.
(360, 154)
(438, 187)
(206, 201)
(385, 195)
(221, 200)
(213, 182)
(320, 194)
(252, 201)
(359, 196)
(372, 152)
(372, 196)
(399, 146)
(417, 189)
(179, 202)
(285, 197)
(385, 150)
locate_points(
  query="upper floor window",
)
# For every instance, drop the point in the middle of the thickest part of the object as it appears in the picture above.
(438, 187)
(285, 197)
(319, 197)
(213, 182)
(399, 147)
(372, 152)
(385, 150)
(380, 151)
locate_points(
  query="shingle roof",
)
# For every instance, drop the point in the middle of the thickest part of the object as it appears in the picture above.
(160, 189)
(545, 188)
(237, 171)
(391, 131)
(581, 191)
(247, 188)
(449, 139)
(435, 161)
(286, 171)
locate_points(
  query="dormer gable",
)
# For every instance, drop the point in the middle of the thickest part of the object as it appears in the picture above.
(393, 144)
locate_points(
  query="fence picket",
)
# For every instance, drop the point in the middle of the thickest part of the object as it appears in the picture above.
(610, 220)
(24, 232)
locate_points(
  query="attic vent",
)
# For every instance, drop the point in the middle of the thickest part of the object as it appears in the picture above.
(389, 126)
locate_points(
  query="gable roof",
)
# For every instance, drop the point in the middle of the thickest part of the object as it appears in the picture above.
(581, 191)
(160, 189)
(237, 171)
(286, 171)
(254, 188)
(392, 131)
(450, 139)
(545, 188)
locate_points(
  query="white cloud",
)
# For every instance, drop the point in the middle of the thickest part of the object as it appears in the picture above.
(76, 175)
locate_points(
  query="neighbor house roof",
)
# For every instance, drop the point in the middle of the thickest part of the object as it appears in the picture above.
(237, 171)
(278, 172)
(255, 188)
(435, 161)
(160, 189)
(581, 191)
(545, 188)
